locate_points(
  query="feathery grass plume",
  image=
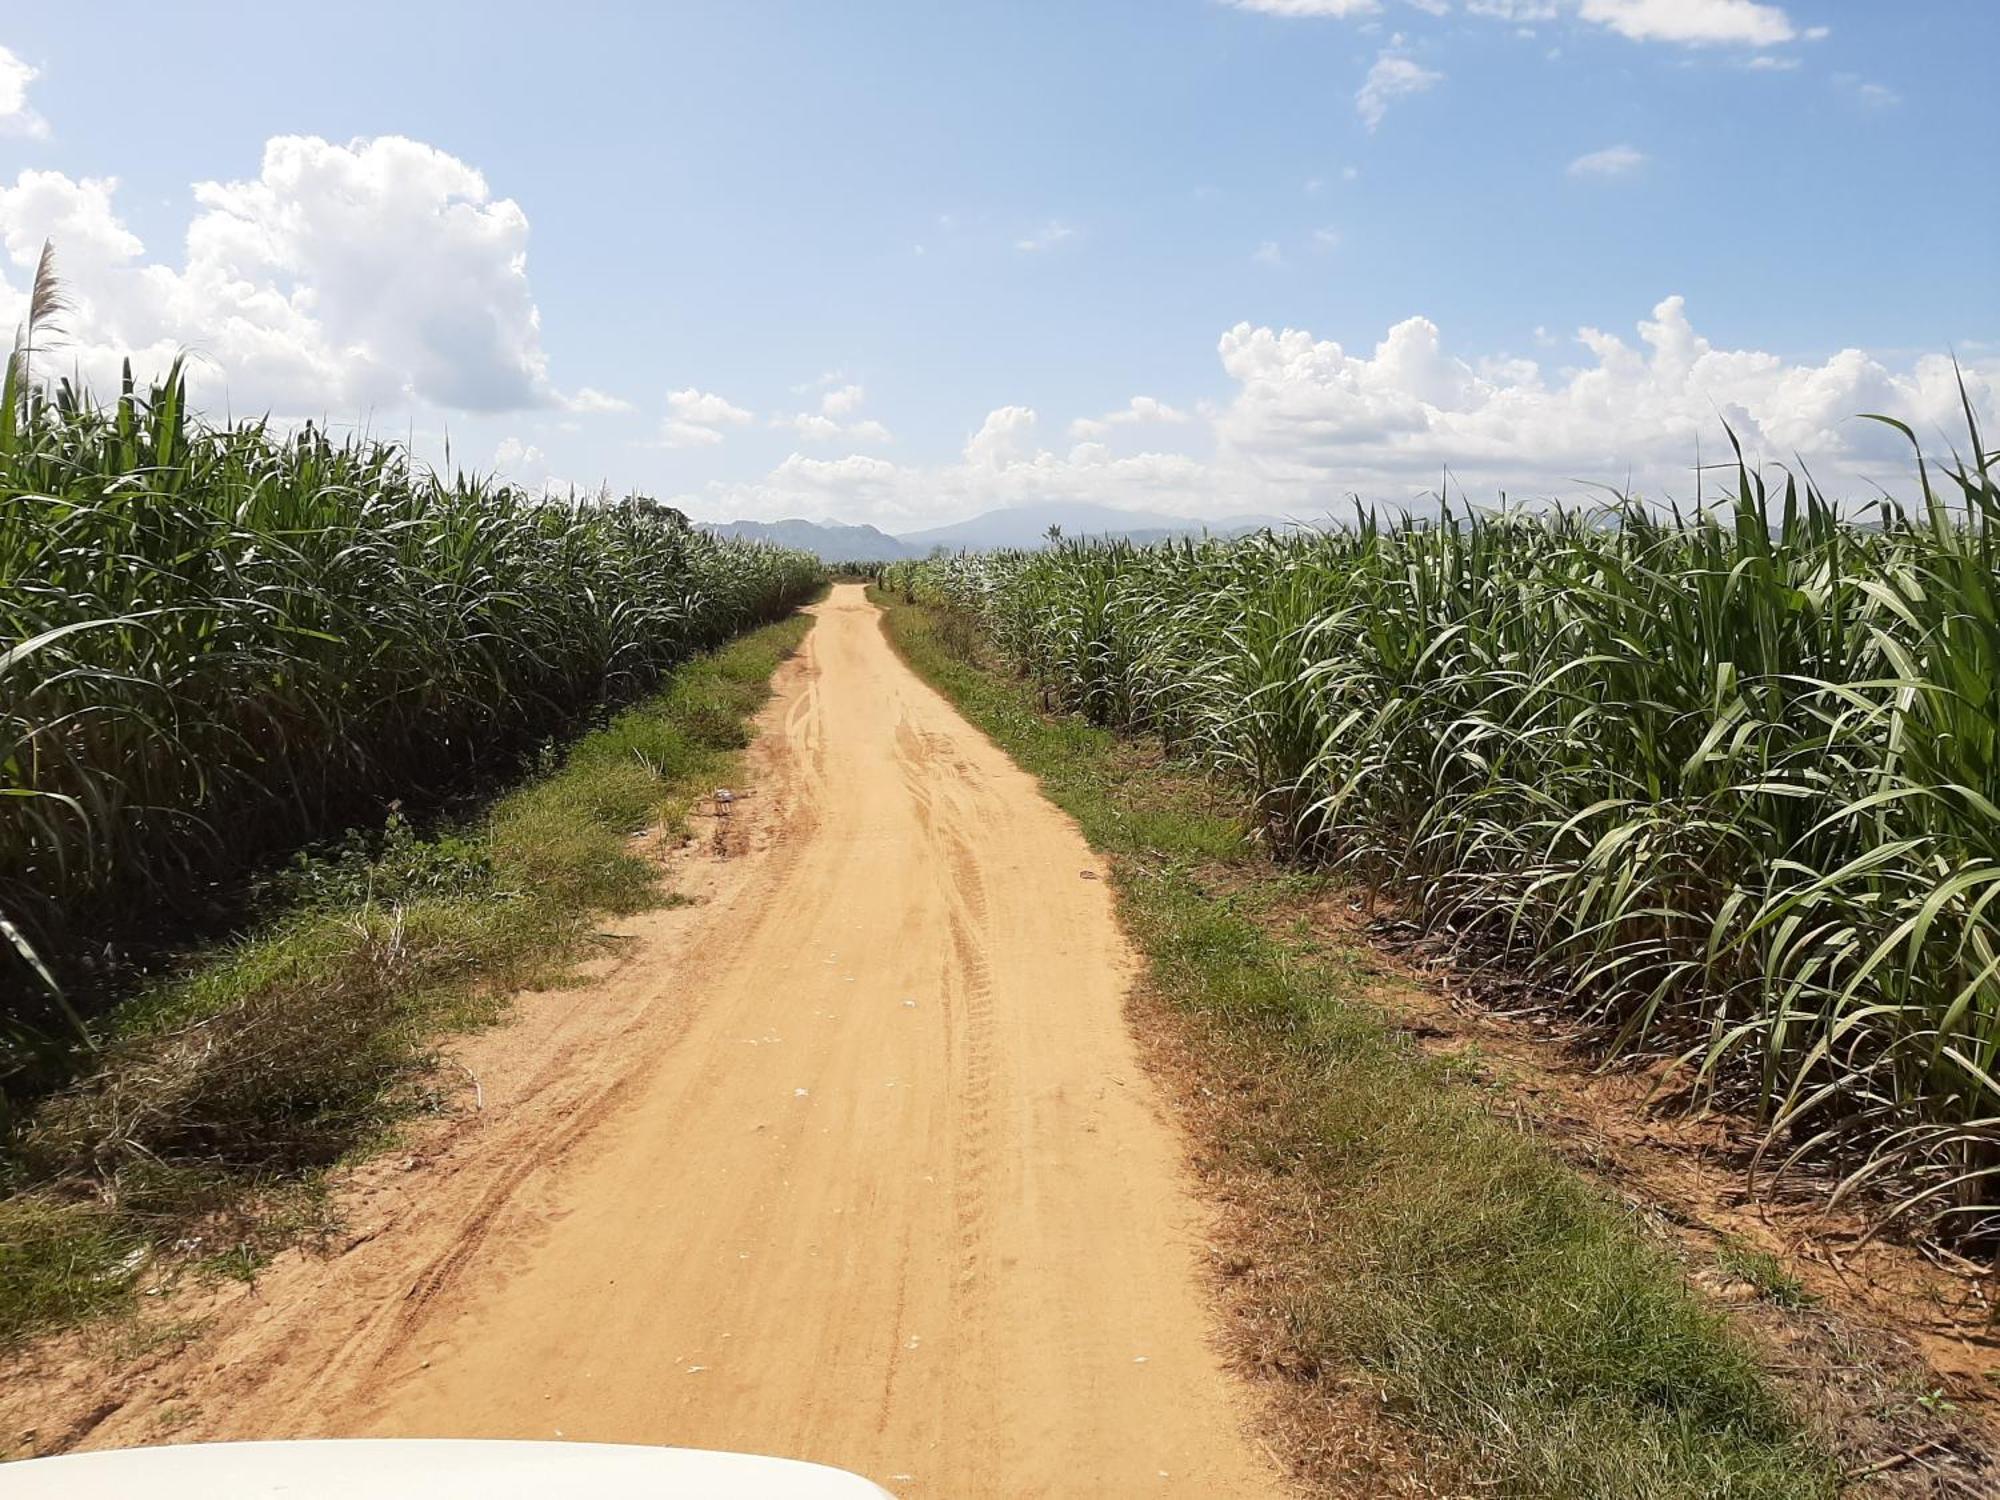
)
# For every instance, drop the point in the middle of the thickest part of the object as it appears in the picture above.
(46, 305)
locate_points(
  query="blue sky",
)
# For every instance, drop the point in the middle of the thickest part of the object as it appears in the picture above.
(898, 262)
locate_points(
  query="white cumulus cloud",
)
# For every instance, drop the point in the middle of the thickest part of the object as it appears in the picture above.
(1518, 12)
(1309, 412)
(1612, 161)
(1007, 436)
(1047, 237)
(1310, 7)
(594, 401)
(835, 420)
(1140, 411)
(1392, 77)
(342, 279)
(1308, 423)
(1694, 22)
(17, 116)
(520, 461)
(697, 419)
(1002, 463)
(842, 401)
(1868, 95)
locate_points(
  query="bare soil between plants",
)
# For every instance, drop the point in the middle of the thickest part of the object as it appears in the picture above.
(851, 1159)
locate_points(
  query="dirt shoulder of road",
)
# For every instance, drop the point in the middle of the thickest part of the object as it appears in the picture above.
(204, 1314)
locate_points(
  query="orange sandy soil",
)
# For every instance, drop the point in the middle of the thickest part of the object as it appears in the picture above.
(852, 1160)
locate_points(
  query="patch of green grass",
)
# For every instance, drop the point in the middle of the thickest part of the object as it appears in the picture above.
(62, 1261)
(1765, 1272)
(221, 1097)
(1513, 1316)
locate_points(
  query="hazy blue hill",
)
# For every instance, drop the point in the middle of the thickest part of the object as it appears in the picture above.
(830, 540)
(1015, 526)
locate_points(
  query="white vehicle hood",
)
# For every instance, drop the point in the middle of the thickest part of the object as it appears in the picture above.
(424, 1469)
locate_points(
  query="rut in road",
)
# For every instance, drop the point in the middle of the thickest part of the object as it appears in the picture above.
(854, 1162)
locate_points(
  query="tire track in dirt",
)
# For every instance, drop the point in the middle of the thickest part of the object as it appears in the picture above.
(854, 1162)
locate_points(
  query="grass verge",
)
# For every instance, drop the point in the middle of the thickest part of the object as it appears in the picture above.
(1521, 1326)
(220, 1098)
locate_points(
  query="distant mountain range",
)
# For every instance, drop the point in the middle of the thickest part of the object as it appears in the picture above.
(832, 541)
(1015, 526)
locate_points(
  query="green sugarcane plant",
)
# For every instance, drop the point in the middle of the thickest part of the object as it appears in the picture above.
(1728, 782)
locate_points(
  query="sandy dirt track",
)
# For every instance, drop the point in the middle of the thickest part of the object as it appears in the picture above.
(852, 1161)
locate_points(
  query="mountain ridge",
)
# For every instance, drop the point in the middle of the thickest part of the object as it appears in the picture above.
(1024, 526)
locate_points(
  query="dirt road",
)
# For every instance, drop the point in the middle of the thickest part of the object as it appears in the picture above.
(852, 1161)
